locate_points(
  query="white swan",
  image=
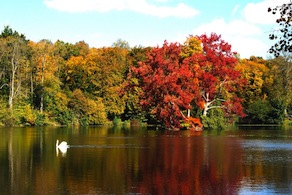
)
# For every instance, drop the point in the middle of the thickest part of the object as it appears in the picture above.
(62, 147)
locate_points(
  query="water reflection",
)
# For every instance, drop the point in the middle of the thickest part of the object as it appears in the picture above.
(124, 161)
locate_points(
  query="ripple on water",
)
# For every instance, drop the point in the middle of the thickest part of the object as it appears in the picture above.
(267, 152)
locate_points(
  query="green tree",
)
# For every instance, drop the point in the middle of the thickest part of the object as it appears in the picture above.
(14, 63)
(259, 110)
(267, 111)
(281, 89)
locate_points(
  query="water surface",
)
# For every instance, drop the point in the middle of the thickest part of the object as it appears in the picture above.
(104, 160)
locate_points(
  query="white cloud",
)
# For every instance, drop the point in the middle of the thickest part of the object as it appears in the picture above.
(249, 34)
(243, 36)
(235, 27)
(140, 6)
(258, 12)
(247, 46)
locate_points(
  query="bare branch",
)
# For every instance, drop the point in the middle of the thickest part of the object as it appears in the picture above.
(3, 85)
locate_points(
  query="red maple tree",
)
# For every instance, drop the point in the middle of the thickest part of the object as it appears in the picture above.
(218, 78)
(168, 84)
(171, 82)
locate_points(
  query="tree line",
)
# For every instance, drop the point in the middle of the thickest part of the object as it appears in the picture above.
(45, 83)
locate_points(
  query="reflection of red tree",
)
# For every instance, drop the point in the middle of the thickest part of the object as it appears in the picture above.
(203, 167)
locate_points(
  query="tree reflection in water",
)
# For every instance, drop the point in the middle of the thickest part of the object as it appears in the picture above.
(107, 161)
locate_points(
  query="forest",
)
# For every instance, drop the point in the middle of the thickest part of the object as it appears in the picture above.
(201, 82)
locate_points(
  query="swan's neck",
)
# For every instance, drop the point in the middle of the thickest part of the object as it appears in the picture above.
(57, 143)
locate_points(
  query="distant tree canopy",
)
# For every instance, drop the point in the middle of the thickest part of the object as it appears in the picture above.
(283, 35)
(174, 85)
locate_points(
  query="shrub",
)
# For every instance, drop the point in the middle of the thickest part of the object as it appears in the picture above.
(264, 111)
(117, 121)
(40, 119)
(259, 111)
(214, 120)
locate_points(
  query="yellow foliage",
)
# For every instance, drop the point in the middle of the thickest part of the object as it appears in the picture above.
(191, 45)
(61, 100)
(256, 74)
(44, 61)
(27, 114)
(75, 61)
(92, 109)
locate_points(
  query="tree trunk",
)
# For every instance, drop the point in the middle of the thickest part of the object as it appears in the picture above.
(31, 87)
(206, 105)
(206, 108)
(42, 97)
(12, 85)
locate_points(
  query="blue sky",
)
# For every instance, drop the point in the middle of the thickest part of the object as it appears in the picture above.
(245, 24)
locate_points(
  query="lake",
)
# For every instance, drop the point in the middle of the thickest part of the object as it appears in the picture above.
(103, 160)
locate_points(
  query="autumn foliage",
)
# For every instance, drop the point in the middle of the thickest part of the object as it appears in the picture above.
(175, 77)
(173, 85)
(168, 84)
(218, 78)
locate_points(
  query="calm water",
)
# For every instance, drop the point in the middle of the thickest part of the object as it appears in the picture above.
(137, 161)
